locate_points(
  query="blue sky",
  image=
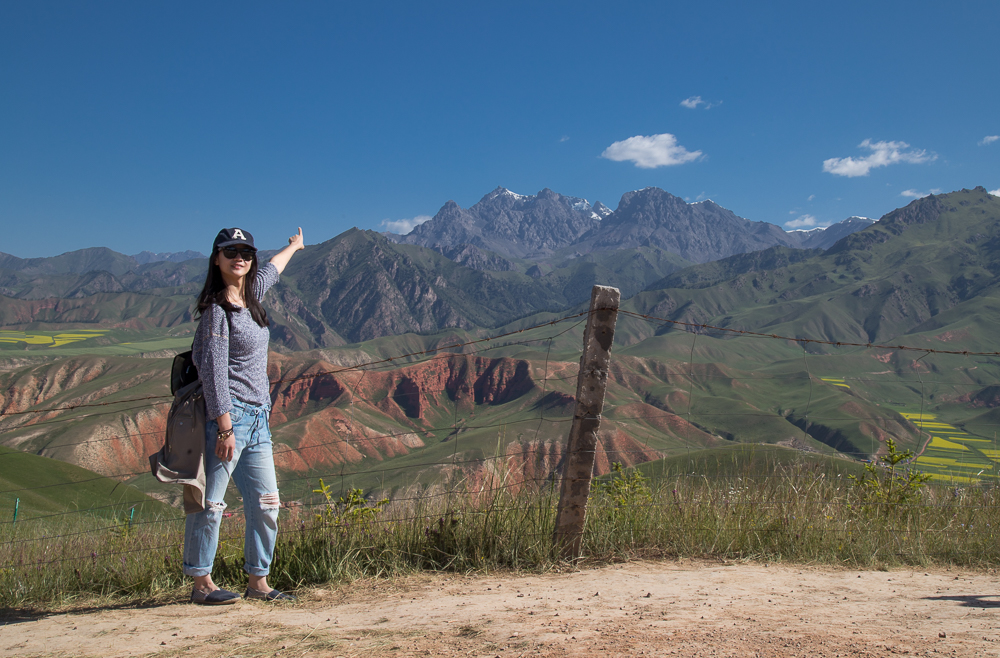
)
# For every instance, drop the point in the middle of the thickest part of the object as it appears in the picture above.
(151, 125)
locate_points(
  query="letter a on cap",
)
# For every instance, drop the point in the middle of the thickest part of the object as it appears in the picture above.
(238, 234)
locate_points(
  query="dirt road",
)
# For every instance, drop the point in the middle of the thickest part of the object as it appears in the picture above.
(636, 609)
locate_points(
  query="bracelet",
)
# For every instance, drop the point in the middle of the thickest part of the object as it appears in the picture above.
(222, 435)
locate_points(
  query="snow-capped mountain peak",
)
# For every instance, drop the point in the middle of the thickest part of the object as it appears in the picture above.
(503, 191)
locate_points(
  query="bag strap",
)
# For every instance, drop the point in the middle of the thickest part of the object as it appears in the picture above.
(183, 370)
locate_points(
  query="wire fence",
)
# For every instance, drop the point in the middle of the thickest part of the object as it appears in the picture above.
(675, 424)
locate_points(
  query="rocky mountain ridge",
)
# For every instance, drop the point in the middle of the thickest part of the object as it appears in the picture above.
(92, 259)
(549, 226)
(510, 224)
(699, 232)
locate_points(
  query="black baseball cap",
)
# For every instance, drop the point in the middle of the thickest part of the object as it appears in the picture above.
(231, 236)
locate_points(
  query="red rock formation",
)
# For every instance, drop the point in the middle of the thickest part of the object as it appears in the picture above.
(531, 464)
(326, 416)
(663, 421)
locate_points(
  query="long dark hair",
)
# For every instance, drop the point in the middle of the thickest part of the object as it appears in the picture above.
(214, 292)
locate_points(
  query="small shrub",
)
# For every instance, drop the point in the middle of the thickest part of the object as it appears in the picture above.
(891, 487)
(623, 489)
(350, 511)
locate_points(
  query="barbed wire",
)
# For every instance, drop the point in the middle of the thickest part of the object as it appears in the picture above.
(817, 341)
(392, 359)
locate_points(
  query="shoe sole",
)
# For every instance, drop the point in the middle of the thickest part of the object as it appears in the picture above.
(226, 602)
(285, 598)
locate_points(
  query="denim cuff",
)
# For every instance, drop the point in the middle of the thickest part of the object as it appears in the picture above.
(196, 571)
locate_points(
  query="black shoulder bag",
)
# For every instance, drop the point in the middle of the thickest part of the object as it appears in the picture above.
(182, 372)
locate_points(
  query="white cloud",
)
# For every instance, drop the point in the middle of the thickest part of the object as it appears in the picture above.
(404, 226)
(804, 221)
(883, 154)
(989, 139)
(915, 194)
(693, 102)
(995, 192)
(564, 138)
(650, 152)
(811, 197)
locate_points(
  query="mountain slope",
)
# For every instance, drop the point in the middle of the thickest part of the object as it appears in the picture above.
(161, 277)
(699, 232)
(925, 266)
(361, 286)
(73, 262)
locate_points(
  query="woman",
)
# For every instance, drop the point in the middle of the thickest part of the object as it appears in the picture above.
(230, 351)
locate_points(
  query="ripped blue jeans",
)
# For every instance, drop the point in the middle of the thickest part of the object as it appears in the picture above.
(252, 468)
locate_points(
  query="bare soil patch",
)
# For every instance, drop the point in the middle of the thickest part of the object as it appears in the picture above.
(669, 608)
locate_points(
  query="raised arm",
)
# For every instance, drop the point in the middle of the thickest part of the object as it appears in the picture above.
(280, 259)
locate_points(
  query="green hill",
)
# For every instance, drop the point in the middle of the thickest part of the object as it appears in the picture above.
(48, 487)
(748, 461)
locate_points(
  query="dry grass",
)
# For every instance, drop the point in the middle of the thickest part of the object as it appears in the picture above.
(794, 515)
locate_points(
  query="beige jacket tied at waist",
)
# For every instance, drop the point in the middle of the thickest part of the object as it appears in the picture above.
(181, 460)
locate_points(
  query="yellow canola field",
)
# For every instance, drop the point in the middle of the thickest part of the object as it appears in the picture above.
(953, 443)
(953, 479)
(936, 461)
(947, 461)
(938, 442)
(927, 422)
(911, 416)
(52, 341)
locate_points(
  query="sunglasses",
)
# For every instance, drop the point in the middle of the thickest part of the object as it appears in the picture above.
(246, 252)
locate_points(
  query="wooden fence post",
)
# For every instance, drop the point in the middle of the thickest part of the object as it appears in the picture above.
(581, 448)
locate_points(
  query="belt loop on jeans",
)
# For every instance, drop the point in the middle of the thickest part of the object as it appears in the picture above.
(255, 426)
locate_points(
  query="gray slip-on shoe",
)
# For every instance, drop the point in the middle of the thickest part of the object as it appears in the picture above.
(273, 595)
(215, 597)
